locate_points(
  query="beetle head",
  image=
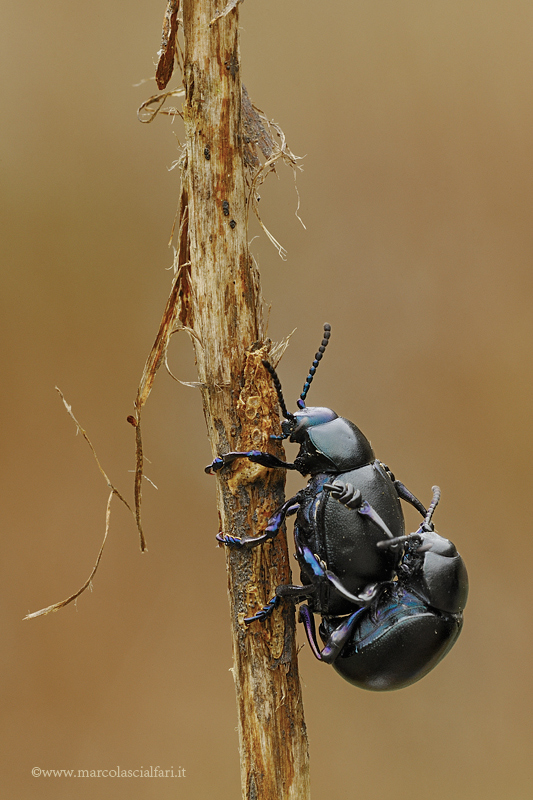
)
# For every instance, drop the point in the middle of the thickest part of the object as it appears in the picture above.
(328, 443)
(298, 424)
(431, 566)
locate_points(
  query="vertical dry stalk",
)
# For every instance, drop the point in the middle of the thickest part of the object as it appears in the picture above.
(220, 304)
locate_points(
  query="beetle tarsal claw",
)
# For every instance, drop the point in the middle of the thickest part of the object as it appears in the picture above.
(229, 541)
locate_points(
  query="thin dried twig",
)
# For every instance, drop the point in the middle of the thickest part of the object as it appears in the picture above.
(114, 491)
(63, 603)
(85, 436)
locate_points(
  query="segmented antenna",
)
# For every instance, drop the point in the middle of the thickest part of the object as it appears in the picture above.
(433, 506)
(318, 356)
(277, 385)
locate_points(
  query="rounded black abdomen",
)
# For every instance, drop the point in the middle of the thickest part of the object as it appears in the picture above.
(396, 645)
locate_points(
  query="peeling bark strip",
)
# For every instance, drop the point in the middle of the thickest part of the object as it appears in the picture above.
(165, 66)
(219, 302)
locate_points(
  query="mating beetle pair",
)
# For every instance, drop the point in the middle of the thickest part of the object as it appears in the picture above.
(391, 605)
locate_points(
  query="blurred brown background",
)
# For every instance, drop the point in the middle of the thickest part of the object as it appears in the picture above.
(416, 121)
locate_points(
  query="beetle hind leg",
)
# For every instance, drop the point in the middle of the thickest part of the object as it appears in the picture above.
(336, 639)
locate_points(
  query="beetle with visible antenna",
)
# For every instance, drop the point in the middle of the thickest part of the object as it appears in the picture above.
(391, 605)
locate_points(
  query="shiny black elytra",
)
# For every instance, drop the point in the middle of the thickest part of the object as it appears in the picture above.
(390, 605)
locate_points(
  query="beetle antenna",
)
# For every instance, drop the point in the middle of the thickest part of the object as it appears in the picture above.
(318, 357)
(433, 506)
(277, 385)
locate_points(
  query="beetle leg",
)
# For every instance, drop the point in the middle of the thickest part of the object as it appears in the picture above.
(305, 616)
(350, 497)
(410, 537)
(337, 638)
(409, 497)
(292, 592)
(256, 456)
(275, 522)
(345, 493)
(265, 612)
(367, 510)
(425, 527)
(368, 594)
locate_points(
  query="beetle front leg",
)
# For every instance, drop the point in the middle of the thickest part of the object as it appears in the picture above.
(337, 638)
(274, 524)
(256, 456)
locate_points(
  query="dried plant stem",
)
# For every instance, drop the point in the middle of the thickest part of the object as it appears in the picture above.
(219, 301)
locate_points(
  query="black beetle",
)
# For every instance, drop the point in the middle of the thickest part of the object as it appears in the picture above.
(391, 605)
